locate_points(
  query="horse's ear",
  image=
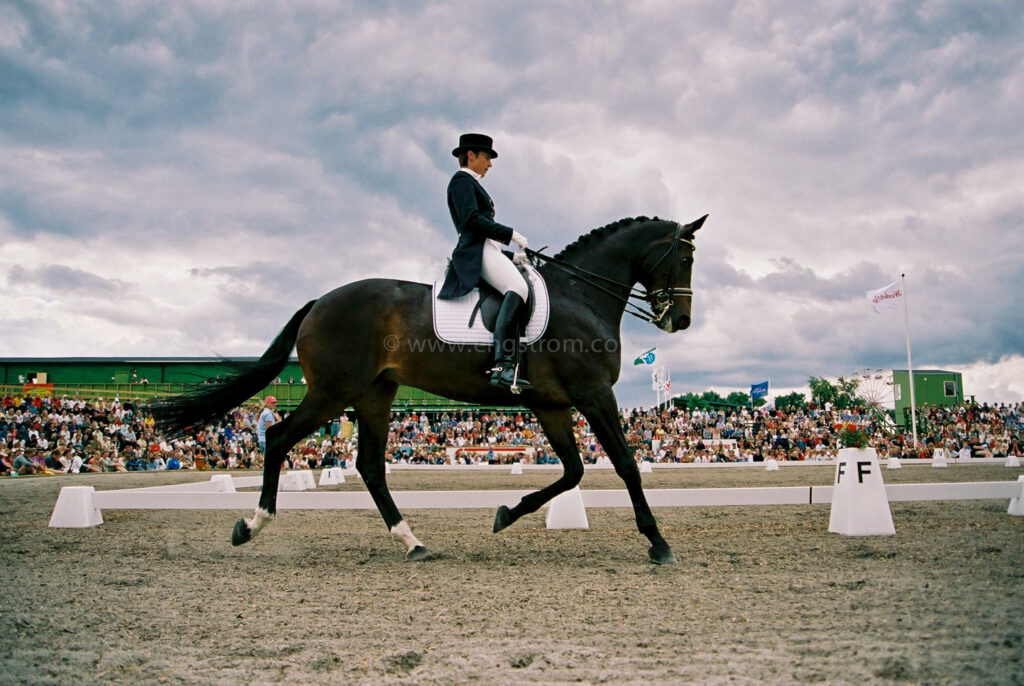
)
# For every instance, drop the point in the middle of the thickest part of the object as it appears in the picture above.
(692, 227)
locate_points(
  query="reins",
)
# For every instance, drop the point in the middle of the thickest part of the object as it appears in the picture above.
(659, 299)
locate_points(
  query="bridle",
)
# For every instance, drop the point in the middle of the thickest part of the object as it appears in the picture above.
(659, 299)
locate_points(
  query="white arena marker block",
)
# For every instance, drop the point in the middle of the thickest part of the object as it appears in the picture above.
(939, 458)
(1012, 461)
(860, 506)
(1016, 504)
(894, 463)
(332, 476)
(225, 481)
(308, 480)
(645, 467)
(292, 481)
(387, 467)
(517, 469)
(771, 465)
(566, 511)
(75, 509)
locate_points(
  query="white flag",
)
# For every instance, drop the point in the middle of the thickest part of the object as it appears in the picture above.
(887, 298)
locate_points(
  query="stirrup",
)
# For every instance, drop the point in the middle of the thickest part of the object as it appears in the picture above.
(508, 376)
(518, 385)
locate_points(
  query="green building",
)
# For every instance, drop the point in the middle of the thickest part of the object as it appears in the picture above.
(931, 387)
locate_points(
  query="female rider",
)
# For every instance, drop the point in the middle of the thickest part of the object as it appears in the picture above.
(478, 254)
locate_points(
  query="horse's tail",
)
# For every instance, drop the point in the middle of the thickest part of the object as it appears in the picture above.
(208, 403)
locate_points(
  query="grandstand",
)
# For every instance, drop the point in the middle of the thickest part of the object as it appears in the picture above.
(142, 378)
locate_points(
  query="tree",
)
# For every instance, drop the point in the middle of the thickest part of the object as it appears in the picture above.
(846, 393)
(710, 397)
(842, 394)
(703, 401)
(821, 391)
(792, 401)
(692, 401)
(742, 398)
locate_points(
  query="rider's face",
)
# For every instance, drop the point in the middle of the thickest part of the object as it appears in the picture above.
(479, 162)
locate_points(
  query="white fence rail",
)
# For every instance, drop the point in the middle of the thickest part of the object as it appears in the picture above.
(81, 506)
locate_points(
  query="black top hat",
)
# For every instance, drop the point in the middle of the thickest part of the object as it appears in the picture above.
(475, 141)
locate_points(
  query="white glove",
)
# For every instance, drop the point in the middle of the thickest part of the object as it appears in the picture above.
(520, 258)
(520, 240)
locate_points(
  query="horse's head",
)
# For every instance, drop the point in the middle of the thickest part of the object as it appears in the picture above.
(666, 274)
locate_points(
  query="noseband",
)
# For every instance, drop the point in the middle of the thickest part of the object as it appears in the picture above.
(660, 299)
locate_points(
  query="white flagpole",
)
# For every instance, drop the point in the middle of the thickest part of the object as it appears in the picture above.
(654, 383)
(910, 366)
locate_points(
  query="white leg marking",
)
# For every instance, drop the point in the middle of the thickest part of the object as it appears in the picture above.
(259, 520)
(402, 532)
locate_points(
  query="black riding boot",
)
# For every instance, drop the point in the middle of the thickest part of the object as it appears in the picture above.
(506, 344)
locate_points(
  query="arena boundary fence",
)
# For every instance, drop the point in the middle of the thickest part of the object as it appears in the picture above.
(830, 462)
(82, 506)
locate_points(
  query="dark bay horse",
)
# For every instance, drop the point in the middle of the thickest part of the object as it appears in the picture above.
(357, 343)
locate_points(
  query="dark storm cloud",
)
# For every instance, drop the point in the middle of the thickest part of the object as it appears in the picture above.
(59, 279)
(235, 160)
(796, 279)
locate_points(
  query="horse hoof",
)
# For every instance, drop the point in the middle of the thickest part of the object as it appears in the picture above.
(241, 534)
(502, 519)
(416, 554)
(661, 555)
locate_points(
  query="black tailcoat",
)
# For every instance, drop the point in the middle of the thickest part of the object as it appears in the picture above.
(472, 213)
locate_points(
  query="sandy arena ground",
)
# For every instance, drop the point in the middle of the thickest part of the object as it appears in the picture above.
(760, 594)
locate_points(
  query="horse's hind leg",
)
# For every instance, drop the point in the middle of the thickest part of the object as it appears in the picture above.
(314, 410)
(373, 412)
(557, 425)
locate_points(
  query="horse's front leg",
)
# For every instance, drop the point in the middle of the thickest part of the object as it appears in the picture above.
(557, 425)
(602, 412)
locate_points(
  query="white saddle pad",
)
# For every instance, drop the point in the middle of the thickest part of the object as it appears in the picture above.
(451, 317)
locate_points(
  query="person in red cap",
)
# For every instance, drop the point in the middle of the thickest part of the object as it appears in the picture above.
(268, 417)
(478, 255)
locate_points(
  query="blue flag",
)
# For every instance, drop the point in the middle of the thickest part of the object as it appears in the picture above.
(759, 390)
(645, 358)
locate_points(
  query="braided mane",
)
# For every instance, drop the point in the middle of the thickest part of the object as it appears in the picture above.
(600, 232)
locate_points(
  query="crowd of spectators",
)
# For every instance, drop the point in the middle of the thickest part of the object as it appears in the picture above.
(49, 435)
(734, 435)
(813, 433)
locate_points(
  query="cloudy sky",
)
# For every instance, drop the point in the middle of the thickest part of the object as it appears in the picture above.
(178, 178)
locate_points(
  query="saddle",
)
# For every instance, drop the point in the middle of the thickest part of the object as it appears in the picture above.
(470, 318)
(489, 302)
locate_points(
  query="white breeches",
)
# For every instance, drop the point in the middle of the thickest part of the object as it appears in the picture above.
(499, 271)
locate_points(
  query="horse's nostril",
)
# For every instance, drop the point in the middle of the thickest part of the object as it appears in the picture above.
(682, 322)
